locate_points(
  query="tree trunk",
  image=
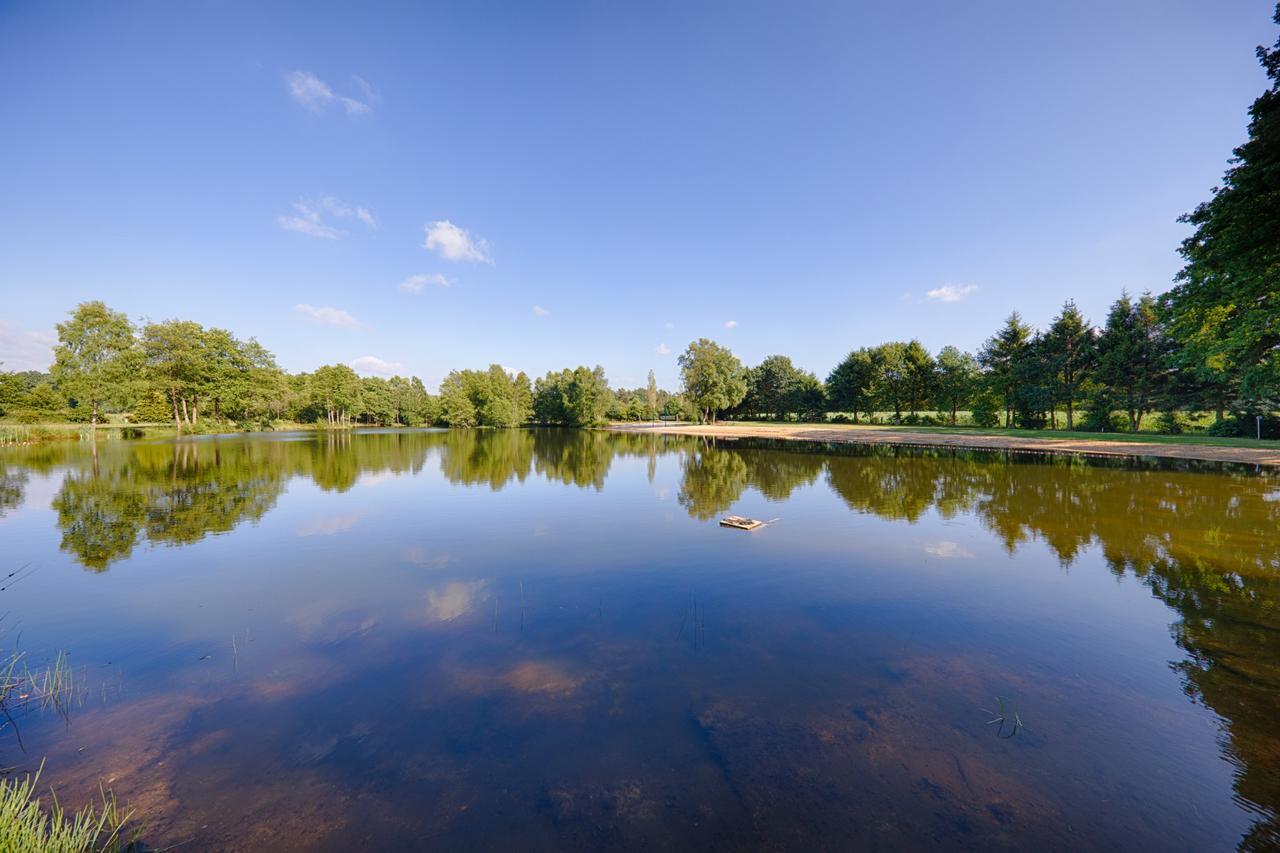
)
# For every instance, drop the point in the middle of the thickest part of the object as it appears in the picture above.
(1071, 424)
(93, 419)
(177, 420)
(186, 415)
(195, 411)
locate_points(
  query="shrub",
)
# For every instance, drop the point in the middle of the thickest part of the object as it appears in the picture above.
(985, 411)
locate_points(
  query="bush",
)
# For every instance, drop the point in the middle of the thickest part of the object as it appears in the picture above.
(985, 411)
(1103, 420)
(1245, 425)
(1172, 423)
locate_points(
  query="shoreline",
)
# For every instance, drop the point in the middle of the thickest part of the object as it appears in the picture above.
(876, 435)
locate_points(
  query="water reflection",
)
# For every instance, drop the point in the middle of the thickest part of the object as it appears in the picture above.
(1201, 538)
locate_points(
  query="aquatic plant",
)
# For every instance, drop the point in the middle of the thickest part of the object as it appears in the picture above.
(24, 825)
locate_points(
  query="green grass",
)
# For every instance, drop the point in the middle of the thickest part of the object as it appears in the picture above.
(26, 825)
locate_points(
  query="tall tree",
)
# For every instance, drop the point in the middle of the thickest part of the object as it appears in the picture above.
(851, 385)
(714, 379)
(920, 375)
(95, 356)
(772, 386)
(174, 363)
(1225, 308)
(1000, 356)
(651, 397)
(1072, 350)
(892, 383)
(1131, 355)
(957, 380)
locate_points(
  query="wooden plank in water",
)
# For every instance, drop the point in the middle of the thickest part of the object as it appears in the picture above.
(739, 523)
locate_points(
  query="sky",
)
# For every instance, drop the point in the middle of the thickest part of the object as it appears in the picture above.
(414, 188)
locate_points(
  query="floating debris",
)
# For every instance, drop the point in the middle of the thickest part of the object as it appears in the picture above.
(738, 522)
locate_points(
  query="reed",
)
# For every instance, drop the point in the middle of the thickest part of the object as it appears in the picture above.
(25, 825)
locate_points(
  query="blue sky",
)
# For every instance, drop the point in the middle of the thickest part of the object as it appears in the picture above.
(433, 186)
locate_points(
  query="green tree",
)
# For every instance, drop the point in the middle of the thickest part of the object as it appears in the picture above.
(651, 397)
(850, 386)
(957, 380)
(1132, 356)
(174, 363)
(1072, 350)
(892, 382)
(714, 379)
(95, 357)
(1000, 356)
(920, 375)
(336, 390)
(772, 387)
(1225, 307)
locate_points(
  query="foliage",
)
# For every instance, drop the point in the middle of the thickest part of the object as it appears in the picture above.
(850, 386)
(1225, 307)
(1001, 356)
(956, 380)
(1131, 356)
(714, 379)
(578, 397)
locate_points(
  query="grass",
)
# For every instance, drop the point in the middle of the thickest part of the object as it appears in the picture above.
(26, 826)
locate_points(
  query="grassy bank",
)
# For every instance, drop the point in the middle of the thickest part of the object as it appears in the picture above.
(12, 434)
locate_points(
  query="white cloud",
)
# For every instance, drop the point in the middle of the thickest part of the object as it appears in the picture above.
(668, 326)
(21, 349)
(951, 292)
(315, 95)
(456, 599)
(415, 283)
(325, 315)
(455, 244)
(731, 324)
(663, 349)
(539, 311)
(373, 364)
(948, 550)
(330, 525)
(313, 218)
(367, 89)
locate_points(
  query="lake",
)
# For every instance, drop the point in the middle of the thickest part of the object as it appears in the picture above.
(540, 639)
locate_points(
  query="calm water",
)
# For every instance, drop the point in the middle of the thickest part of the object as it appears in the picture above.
(543, 640)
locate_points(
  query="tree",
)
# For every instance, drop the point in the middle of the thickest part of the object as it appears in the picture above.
(578, 397)
(714, 379)
(957, 379)
(1000, 356)
(173, 362)
(772, 387)
(651, 397)
(919, 374)
(891, 383)
(1225, 308)
(1131, 355)
(1072, 349)
(94, 358)
(851, 384)
(336, 389)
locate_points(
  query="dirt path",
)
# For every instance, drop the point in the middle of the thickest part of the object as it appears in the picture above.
(871, 435)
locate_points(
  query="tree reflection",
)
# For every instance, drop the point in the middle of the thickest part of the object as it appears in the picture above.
(1206, 546)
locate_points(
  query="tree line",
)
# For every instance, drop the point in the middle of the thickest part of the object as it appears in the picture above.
(202, 378)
